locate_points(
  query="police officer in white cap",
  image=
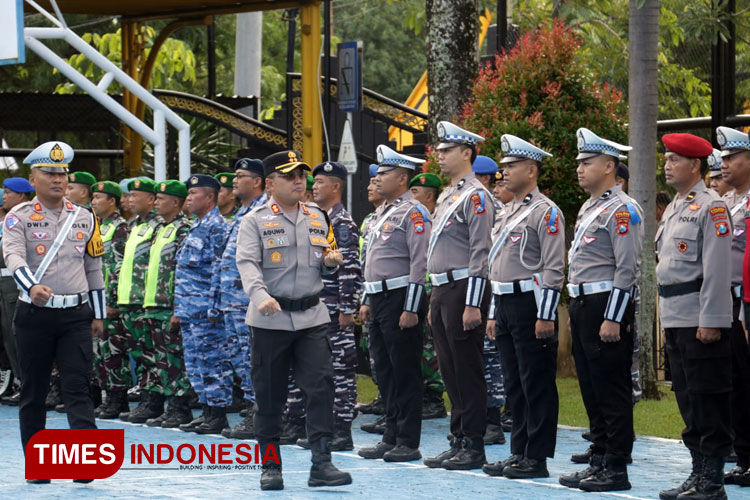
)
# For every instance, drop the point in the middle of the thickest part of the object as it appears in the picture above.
(526, 268)
(52, 248)
(457, 263)
(394, 305)
(735, 170)
(604, 262)
(715, 179)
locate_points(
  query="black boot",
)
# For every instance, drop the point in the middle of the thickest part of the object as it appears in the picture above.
(244, 430)
(270, 478)
(433, 405)
(710, 486)
(54, 396)
(691, 481)
(215, 422)
(743, 462)
(375, 427)
(437, 461)
(610, 478)
(573, 479)
(377, 406)
(342, 436)
(494, 433)
(323, 472)
(527, 468)
(60, 408)
(583, 458)
(153, 408)
(496, 469)
(140, 408)
(179, 412)
(294, 429)
(194, 424)
(471, 456)
(506, 417)
(117, 402)
(402, 453)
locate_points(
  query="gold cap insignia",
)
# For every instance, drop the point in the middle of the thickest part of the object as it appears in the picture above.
(57, 154)
(422, 180)
(293, 156)
(100, 186)
(194, 180)
(72, 177)
(223, 179)
(137, 183)
(163, 187)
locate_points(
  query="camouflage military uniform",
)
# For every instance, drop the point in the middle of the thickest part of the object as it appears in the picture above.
(111, 361)
(232, 302)
(340, 293)
(158, 303)
(131, 278)
(206, 358)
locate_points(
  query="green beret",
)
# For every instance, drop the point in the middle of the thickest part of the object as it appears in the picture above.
(225, 179)
(426, 180)
(310, 182)
(82, 178)
(108, 187)
(140, 184)
(174, 188)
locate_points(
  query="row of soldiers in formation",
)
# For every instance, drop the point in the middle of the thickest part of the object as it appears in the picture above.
(183, 294)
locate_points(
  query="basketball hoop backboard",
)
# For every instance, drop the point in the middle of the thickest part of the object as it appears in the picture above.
(12, 50)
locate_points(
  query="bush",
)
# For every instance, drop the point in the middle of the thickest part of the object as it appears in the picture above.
(542, 93)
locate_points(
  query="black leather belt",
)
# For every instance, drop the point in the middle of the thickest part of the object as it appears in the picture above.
(299, 304)
(667, 291)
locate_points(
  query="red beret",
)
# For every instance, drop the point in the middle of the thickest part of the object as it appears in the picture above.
(688, 145)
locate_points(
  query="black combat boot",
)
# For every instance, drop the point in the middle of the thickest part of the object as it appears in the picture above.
(54, 396)
(437, 461)
(611, 478)
(270, 478)
(117, 402)
(494, 433)
(342, 436)
(323, 472)
(471, 456)
(573, 479)
(244, 430)
(690, 482)
(153, 408)
(179, 412)
(215, 422)
(710, 486)
(433, 405)
(527, 468)
(294, 429)
(377, 426)
(191, 426)
(375, 452)
(743, 462)
(496, 469)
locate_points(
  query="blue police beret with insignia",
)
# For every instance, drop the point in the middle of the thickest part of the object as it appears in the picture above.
(202, 180)
(484, 165)
(331, 169)
(516, 149)
(732, 141)
(591, 145)
(250, 164)
(373, 169)
(18, 185)
(53, 157)
(450, 134)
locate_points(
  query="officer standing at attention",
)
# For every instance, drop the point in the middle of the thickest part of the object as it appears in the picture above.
(485, 170)
(604, 267)
(425, 188)
(16, 191)
(79, 188)
(501, 193)
(341, 290)
(114, 368)
(289, 329)
(394, 305)
(735, 169)
(226, 289)
(715, 179)
(526, 268)
(457, 263)
(693, 244)
(205, 341)
(131, 285)
(171, 381)
(227, 202)
(52, 248)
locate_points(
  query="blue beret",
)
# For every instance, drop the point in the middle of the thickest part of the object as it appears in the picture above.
(202, 180)
(250, 164)
(18, 185)
(330, 168)
(124, 185)
(484, 165)
(374, 170)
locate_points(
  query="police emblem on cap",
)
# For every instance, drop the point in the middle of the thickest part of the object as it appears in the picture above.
(292, 156)
(193, 180)
(422, 180)
(581, 140)
(328, 167)
(223, 179)
(711, 160)
(137, 183)
(163, 187)
(380, 156)
(720, 138)
(72, 177)
(441, 130)
(100, 186)
(504, 145)
(57, 154)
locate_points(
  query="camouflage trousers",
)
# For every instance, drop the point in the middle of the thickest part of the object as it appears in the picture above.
(170, 363)
(238, 344)
(635, 369)
(141, 347)
(344, 354)
(430, 371)
(111, 360)
(493, 374)
(207, 360)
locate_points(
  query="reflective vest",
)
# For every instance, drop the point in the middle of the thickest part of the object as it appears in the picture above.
(166, 235)
(140, 234)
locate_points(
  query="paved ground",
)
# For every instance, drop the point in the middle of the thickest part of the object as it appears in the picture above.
(658, 463)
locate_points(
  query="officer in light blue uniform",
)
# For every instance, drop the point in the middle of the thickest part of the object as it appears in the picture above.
(207, 361)
(226, 288)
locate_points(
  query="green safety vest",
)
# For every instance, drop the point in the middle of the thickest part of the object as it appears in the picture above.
(142, 232)
(108, 232)
(166, 235)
